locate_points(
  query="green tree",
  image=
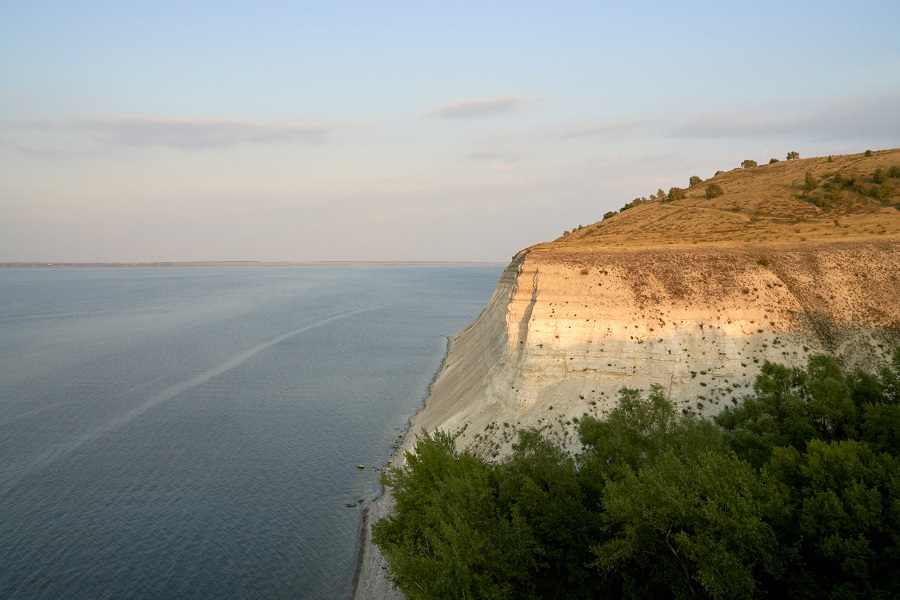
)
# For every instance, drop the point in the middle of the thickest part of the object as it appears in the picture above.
(695, 180)
(676, 193)
(691, 528)
(776, 415)
(844, 525)
(809, 182)
(714, 190)
(636, 431)
(772, 161)
(793, 155)
(880, 427)
(448, 536)
(830, 406)
(633, 203)
(610, 214)
(748, 164)
(795, 492)
(539, 482)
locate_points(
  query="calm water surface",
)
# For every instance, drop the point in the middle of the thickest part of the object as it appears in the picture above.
(195, 432)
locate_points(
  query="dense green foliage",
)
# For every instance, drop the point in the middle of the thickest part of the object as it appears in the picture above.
(748, 164)
(695, 180)
(795, 492)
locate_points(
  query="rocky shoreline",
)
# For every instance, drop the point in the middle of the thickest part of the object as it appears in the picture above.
(370, 581)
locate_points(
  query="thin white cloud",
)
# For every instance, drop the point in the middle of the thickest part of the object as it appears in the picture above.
(185, 133)
(481, 107)
(848, 118)
(496, 156)
(501, 162)
(501, 166)
(610, 128)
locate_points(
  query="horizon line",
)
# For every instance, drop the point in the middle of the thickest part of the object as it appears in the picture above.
(237, 263)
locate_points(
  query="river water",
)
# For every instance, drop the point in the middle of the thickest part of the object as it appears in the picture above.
(195, 432)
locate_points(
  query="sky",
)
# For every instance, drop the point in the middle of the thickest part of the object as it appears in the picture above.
(450, 131)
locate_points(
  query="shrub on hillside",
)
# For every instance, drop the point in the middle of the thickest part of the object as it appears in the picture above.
(793, 155)
(609, 214)
(695, 180)
(868, 153)
(633, 203)
(809, 182)
(748, 164)
(894, 171)
(772, 161)
(714, 190)
(879, 175)
(836, 189)
(676, 193)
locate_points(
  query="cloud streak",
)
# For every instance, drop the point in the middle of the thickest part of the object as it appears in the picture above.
(847, 118)
(481, 107)
(185, 133)
(611, 128)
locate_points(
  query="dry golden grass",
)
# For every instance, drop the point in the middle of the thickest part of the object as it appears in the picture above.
(764, 204)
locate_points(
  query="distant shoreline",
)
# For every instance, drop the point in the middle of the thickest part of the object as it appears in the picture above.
(245, 263)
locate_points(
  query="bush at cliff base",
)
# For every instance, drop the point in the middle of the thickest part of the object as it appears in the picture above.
(795, 492)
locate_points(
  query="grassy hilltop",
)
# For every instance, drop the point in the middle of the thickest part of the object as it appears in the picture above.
(849, 197)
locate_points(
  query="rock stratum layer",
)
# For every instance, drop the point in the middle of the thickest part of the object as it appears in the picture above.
(692, 295)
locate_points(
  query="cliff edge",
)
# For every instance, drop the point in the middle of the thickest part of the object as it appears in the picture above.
(693, 295)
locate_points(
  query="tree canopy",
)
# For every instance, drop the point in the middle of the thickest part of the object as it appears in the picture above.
(794, 492)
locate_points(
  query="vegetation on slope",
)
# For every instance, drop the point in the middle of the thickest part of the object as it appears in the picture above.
(829, 198)
(793, 493)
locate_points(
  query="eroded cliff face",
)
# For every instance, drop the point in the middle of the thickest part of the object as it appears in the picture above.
(567, 328)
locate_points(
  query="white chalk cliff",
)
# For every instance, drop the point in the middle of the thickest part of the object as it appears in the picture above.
(763, 275)
(565, 330)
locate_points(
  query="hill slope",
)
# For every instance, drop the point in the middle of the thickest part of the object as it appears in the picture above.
(854, 198)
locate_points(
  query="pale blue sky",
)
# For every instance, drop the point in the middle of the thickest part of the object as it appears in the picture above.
(405, 130)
